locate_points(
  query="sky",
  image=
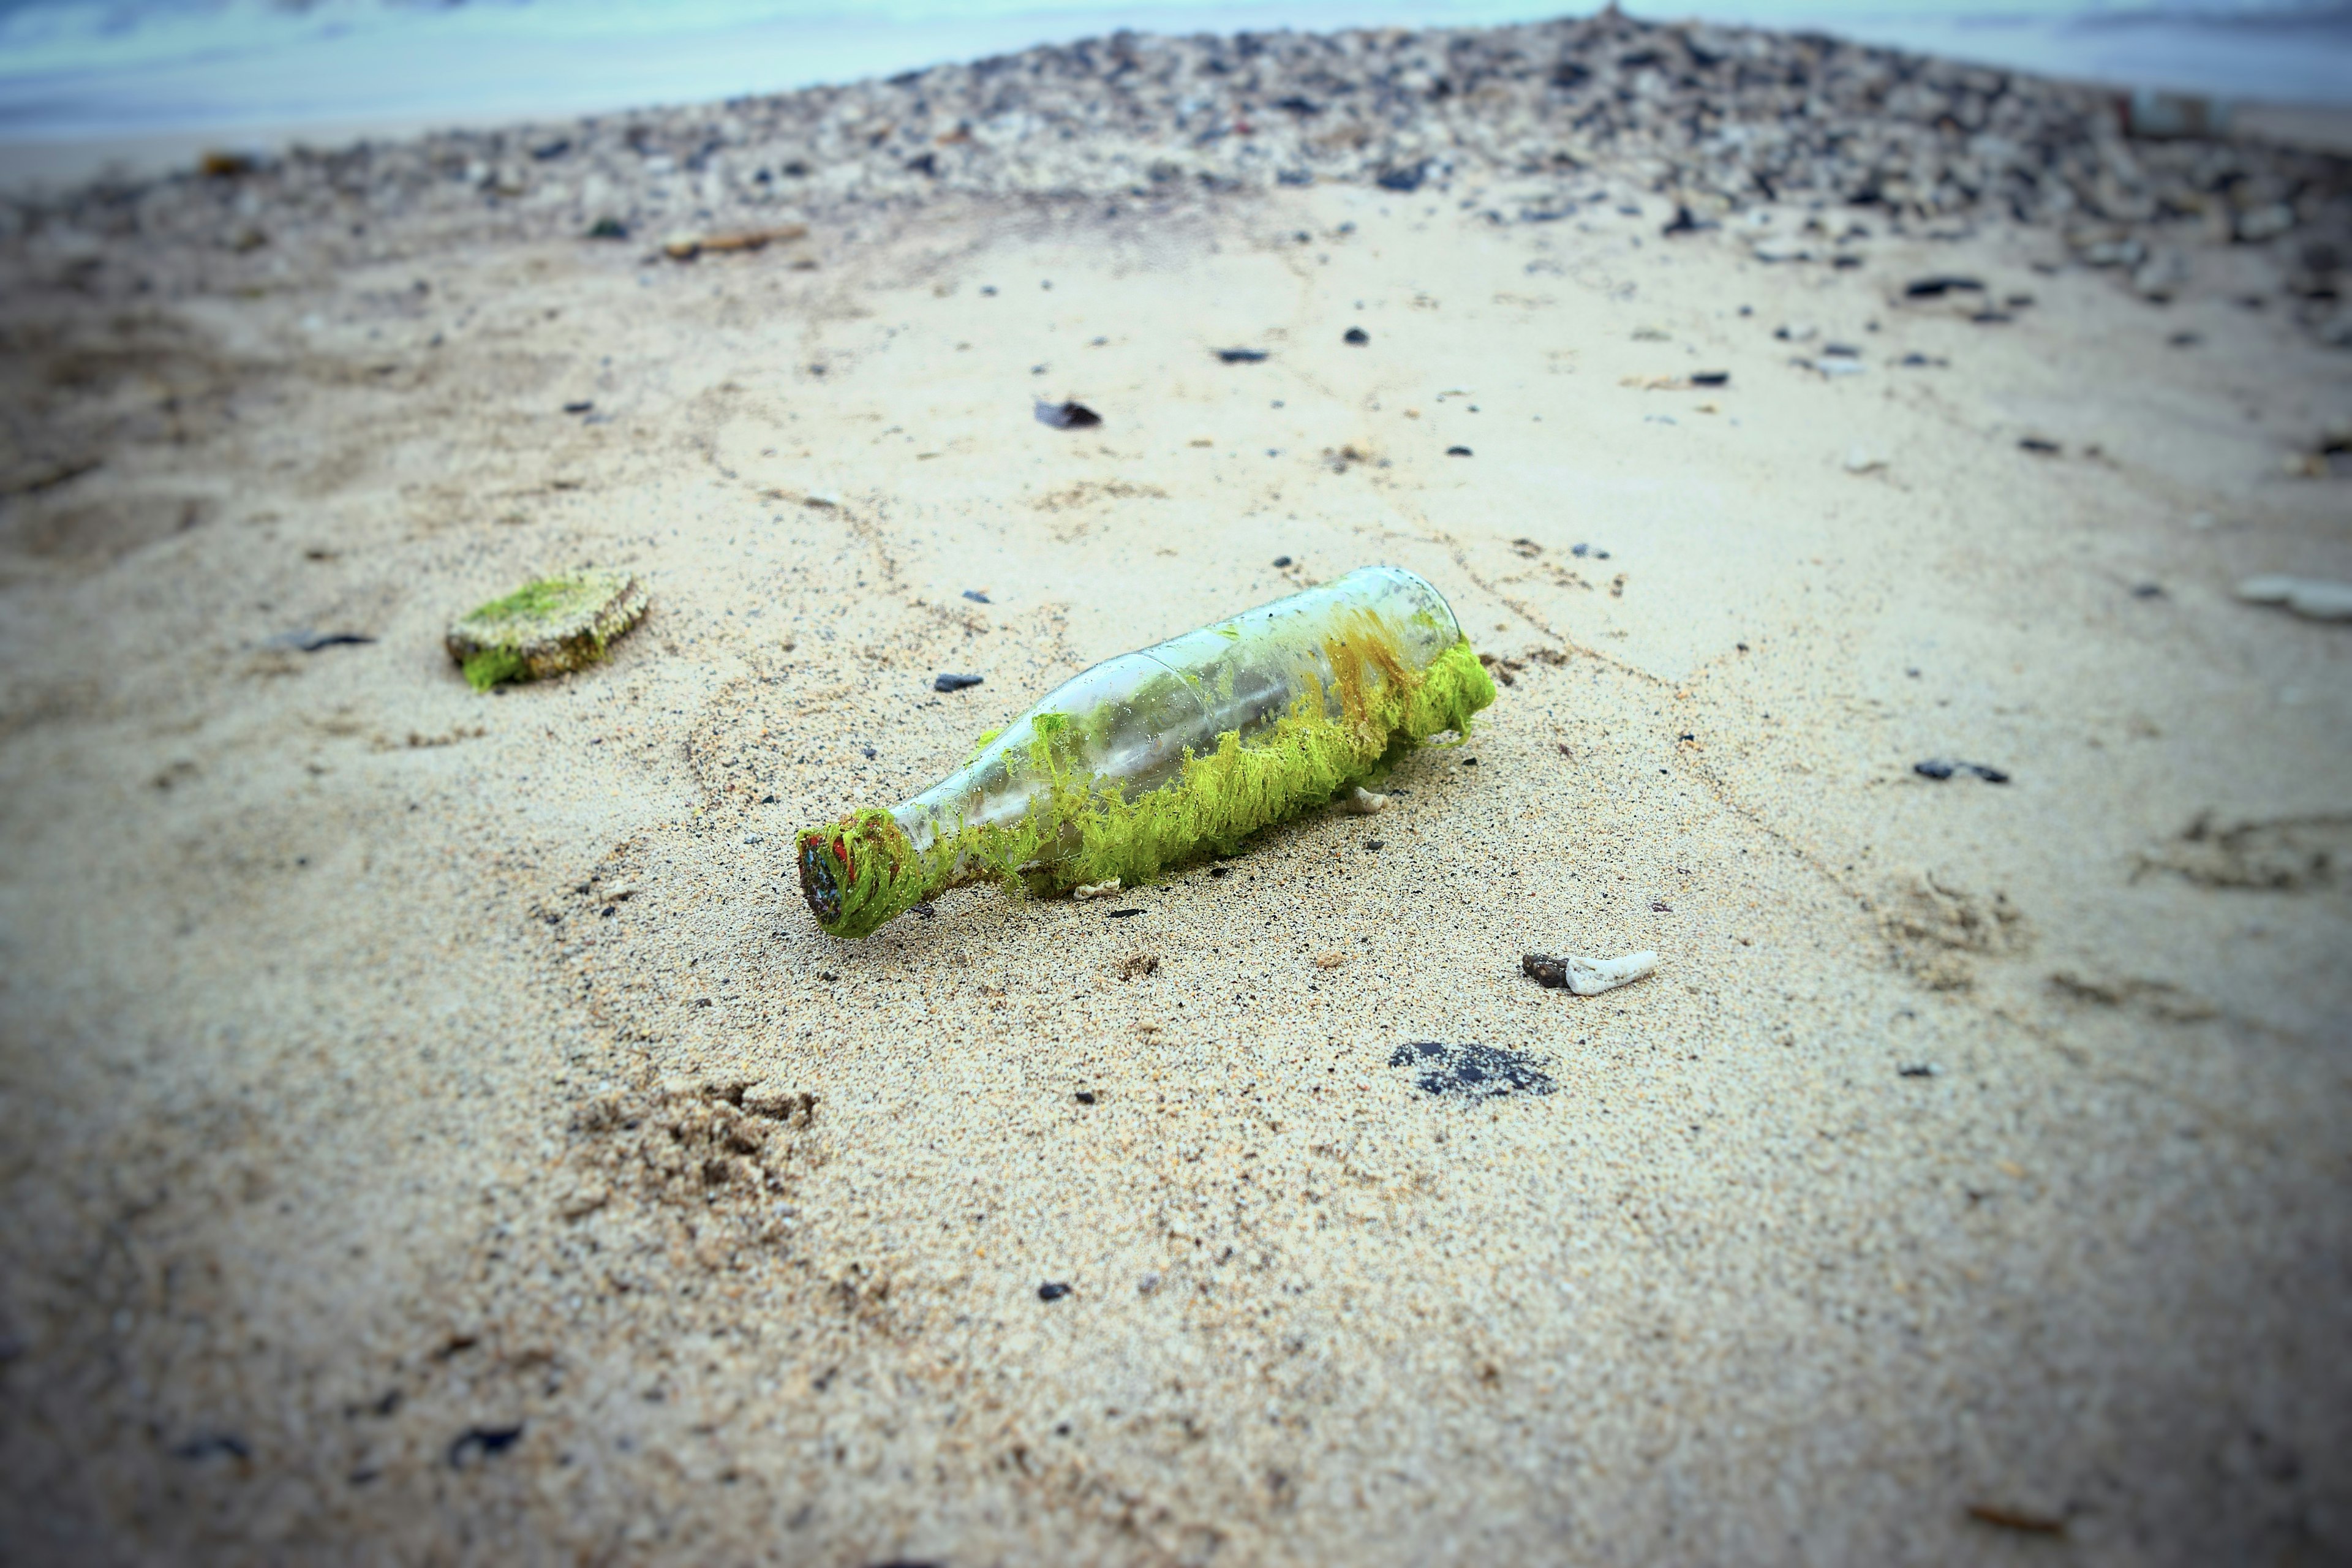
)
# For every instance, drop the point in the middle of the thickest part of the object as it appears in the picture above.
(95, 69)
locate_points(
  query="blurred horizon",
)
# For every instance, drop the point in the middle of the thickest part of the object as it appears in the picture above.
(90, 70)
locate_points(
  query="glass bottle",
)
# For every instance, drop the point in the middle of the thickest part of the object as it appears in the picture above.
(1161, 756)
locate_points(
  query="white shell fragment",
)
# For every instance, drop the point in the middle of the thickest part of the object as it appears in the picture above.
(1582, 977)
(1363, 802)
(1095, 890)
(2315, 598)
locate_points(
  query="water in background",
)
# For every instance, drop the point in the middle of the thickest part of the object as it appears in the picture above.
(89, 69)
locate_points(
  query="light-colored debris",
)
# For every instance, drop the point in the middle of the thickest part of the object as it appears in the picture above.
(686, 245)
(2315, 598)
(1862, 460)
(1581, 976)
(1363, 802)
(1096, 889)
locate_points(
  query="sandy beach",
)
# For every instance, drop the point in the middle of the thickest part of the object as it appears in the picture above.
(436, 1131)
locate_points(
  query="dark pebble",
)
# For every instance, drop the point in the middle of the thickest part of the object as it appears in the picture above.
(976, 596)
(608, 229)
(309, 641)
(1710, 378)
(1219, 870)
(582, 406)
(1660, 906)
(1085, 1097)
(1067, 416)
(1933, 768)
(1923, 1070)
(1051, 1290)
(2036, 444)
(1457, 451)
(1282, 561)
(1241, 356)
(1685, 222)
(2148, 590)
(1404, 181)
(954, 682)
(1375, 843)
(1935, 287)
(480, 1442)
(1469, 762)
(212, 1443)
(546, 151)
(1356, 335)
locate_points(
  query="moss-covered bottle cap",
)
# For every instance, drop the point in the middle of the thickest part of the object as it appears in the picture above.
(546, 627)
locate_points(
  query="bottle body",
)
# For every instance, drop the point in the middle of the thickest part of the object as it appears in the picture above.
(1159, 755)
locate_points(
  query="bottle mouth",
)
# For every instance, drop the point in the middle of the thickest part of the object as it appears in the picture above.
(821, 875)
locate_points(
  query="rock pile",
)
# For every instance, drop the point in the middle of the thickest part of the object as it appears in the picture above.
(1712, 119)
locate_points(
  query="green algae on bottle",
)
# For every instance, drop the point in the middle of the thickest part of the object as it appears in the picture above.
(1164, 755)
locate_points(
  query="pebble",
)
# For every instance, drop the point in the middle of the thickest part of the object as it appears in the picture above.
(1937, 287)
(1051, 1290)
(1067, 416)
(1356, 335)
(1583, 976)
(949, 682)
(1938, 768)
(1241, 356)
(2315, 598)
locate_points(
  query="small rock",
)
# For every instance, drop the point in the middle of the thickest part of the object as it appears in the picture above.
(1356, 335)
(481, 1442)
(2315, 598)
(1051, 1290)
(1281, 561)
(950, 682)
(976, 596)
(305, 640)
(2038, 445)
(1067, 416)
(1241, 356)
(1937, 768)
(1937, 287)
(1363, 802)
(1582, 977)
(1710, 378)
(1096, 889)
(1457, 451)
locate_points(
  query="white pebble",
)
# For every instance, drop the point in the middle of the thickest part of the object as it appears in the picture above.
(1363, 802)
(1590, 976)
(1096, 889)
(2314, 597)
